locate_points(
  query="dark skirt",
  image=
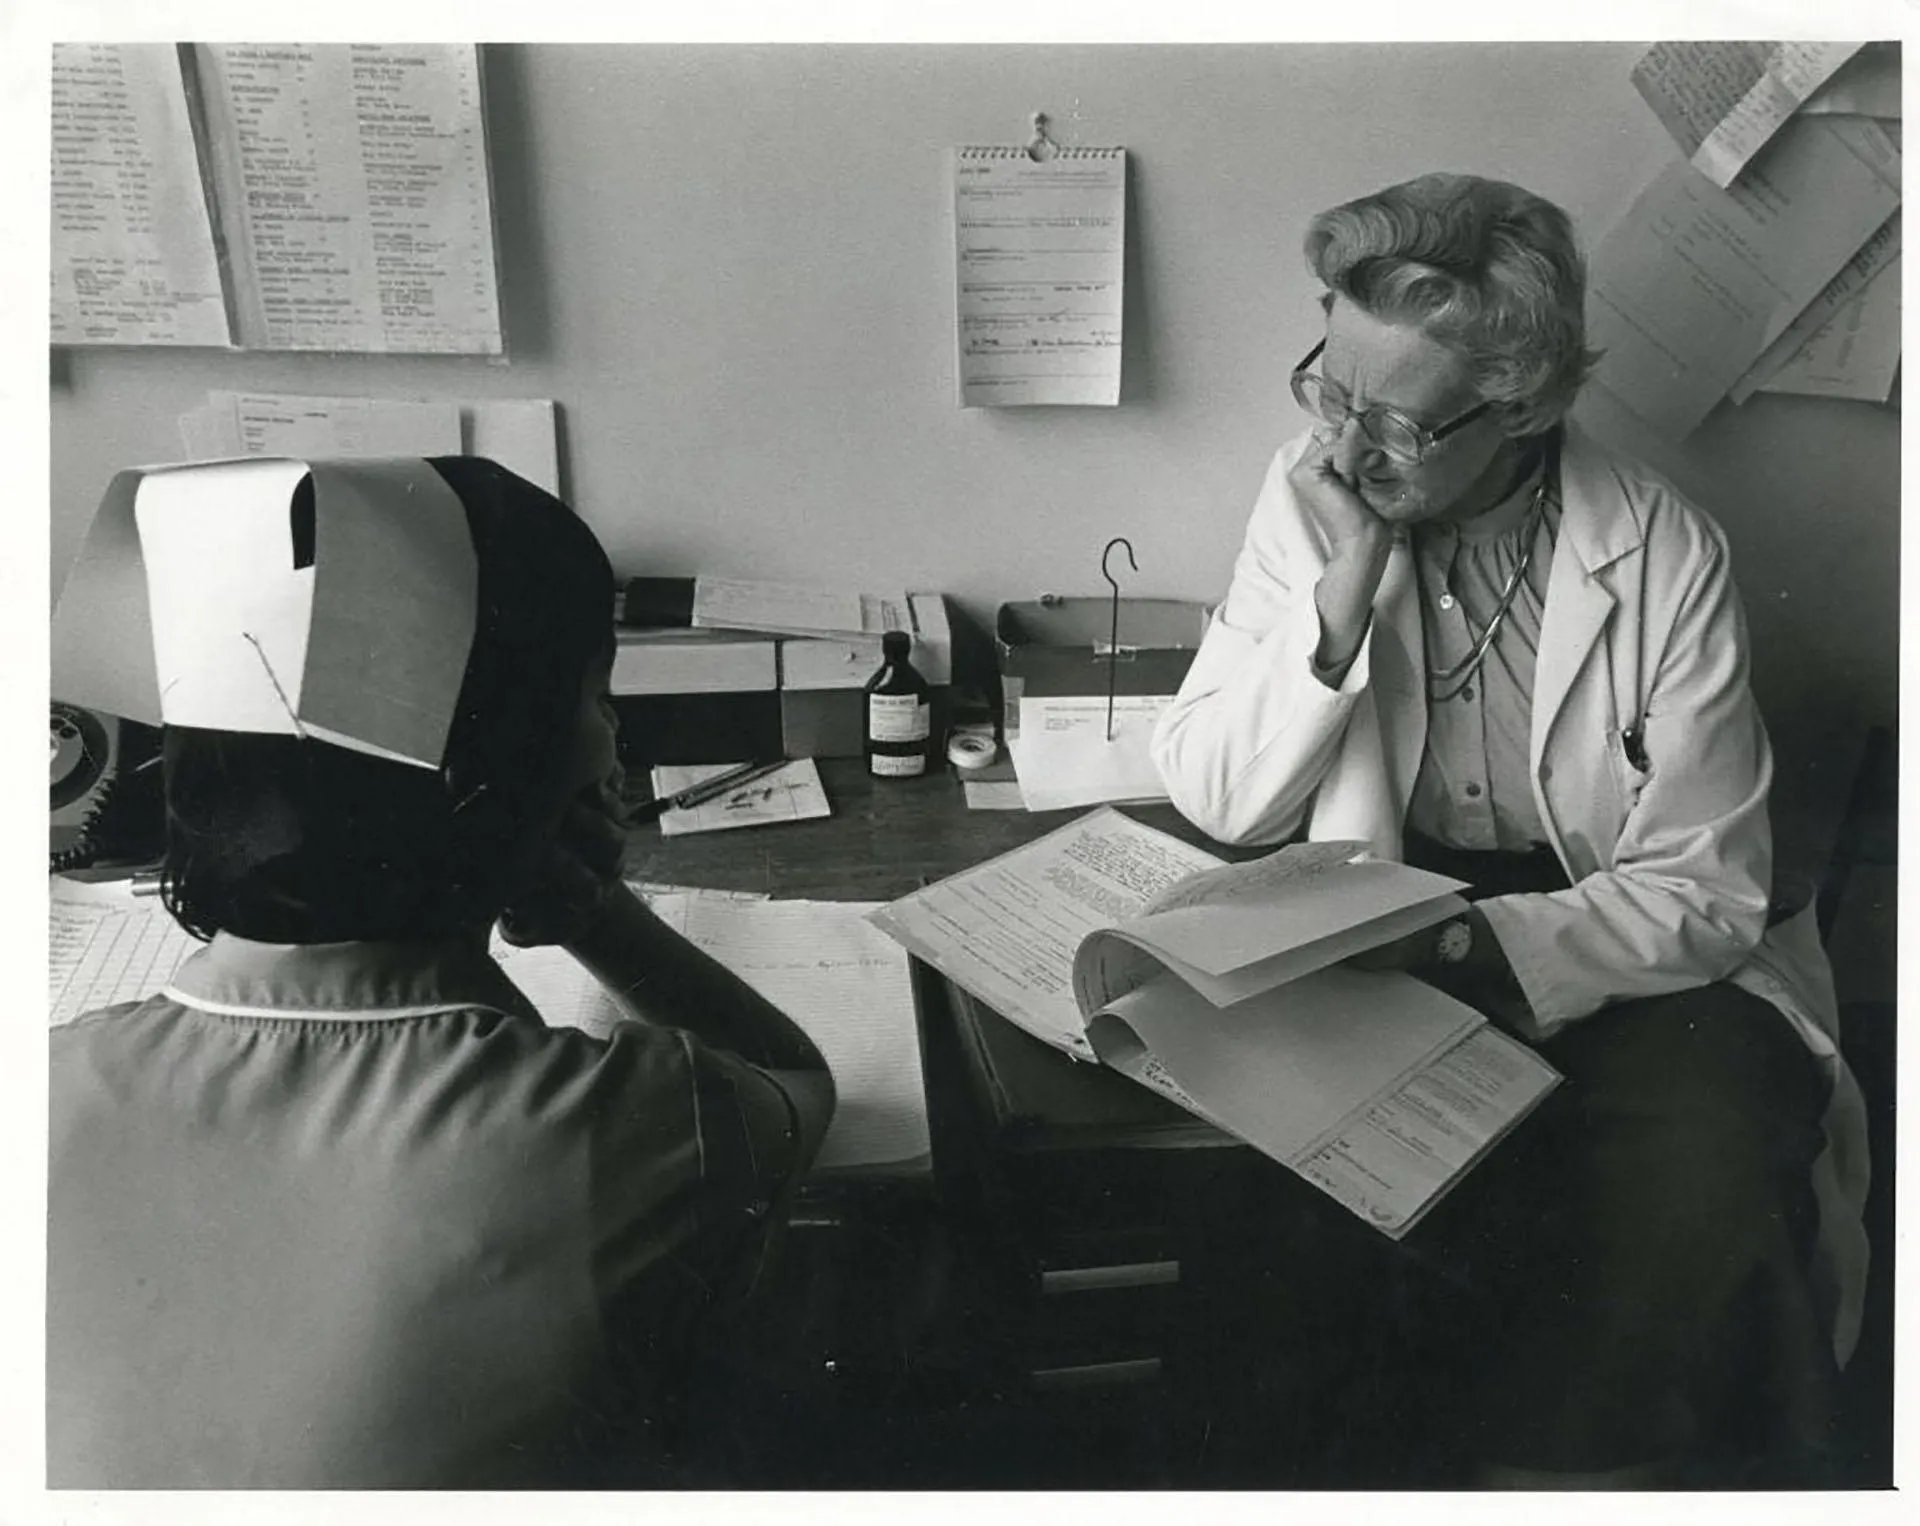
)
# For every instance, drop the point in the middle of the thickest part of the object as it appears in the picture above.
(1625, 1279)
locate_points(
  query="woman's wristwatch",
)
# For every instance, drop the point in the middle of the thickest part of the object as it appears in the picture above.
(1453, 943)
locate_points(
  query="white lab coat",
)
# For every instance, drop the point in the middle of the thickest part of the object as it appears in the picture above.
(1671, 870)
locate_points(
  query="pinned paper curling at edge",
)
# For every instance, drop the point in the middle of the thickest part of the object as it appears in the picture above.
(212, 595)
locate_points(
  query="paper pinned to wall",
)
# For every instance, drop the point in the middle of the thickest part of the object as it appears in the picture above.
(1693, 284)
(1867, 85)
(521, 434)
(1856, 353)
(352, 192)
(1722, 101)
(1039, 268)
(281, 424)
(133, 251)
(1872, 258)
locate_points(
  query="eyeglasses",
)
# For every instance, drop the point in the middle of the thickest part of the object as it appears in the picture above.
(1388, 428)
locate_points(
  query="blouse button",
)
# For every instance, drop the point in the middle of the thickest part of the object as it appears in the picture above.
(1467, 692)
(1446, 601)
(1473, 792)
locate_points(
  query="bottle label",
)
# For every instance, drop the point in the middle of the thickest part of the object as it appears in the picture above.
(910, 767)
(898, 718)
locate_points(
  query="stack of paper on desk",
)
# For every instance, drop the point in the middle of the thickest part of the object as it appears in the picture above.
(1064, 756)
(822, 964)
(1220, 987)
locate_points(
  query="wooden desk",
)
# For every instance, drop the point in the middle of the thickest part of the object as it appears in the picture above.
(1054, 1307)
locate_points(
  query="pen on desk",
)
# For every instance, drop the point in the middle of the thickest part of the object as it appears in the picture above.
(705, 790)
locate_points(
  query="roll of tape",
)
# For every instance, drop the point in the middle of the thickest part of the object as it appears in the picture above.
(969, 752)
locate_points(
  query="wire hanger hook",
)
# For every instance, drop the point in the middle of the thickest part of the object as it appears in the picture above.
(1113, 633)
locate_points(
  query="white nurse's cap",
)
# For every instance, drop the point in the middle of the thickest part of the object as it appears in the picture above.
(325, 599)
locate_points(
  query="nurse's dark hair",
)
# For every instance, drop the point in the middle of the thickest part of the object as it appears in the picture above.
(1486, 268)
(285, 840)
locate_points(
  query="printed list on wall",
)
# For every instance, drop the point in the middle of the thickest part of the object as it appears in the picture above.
(133, 255)
(345, 188)
(1039, 273)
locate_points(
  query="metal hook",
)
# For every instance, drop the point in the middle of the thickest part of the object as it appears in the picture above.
(1113, 633)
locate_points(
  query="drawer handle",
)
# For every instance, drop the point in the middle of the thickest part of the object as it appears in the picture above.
(1127, 1274)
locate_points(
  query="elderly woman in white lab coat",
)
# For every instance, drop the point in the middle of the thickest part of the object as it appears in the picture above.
(1464, 633)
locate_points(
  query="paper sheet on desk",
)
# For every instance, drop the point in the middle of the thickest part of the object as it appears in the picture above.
(823, 964)
(1695, 282)
(106, 945)
(793, 793)
(1064, 758)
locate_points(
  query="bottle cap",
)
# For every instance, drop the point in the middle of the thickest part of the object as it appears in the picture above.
(895, 645)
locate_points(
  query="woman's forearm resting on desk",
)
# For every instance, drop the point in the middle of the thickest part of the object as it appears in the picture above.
(659, 977)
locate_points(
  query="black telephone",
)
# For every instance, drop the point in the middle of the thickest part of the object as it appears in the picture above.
(104, 789)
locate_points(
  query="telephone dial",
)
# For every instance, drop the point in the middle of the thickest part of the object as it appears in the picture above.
(104, 789)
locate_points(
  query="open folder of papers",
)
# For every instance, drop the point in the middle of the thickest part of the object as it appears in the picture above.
(1220, 986)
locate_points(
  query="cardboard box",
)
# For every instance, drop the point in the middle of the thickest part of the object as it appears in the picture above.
(1060, 646)
(823, 682)
(686, 696)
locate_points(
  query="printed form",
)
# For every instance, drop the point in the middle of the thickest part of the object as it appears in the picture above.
(133, 255)
(351, 186)
(1063, 756)
(106, 945)
(1039, 260)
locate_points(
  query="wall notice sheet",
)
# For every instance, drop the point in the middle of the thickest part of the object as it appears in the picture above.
(350, 184)
(133, 252)
(277, 424)
(1822, 316)
(1695, 282)
(1039, 270)
(1722, 100)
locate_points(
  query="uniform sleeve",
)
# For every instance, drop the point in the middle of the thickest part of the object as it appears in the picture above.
(1252, 731)
(1680, 898)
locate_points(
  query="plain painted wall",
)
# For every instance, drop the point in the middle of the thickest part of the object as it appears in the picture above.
(732, 267)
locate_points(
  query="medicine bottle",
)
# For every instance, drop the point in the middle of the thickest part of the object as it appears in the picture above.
(899, 714)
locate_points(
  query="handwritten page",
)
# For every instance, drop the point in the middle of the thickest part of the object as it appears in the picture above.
(1064, 757)
(277, 424)
(1855, 353)
(1869, 261)
(793, 793)
(352, 191)
(1040, 264)
(826, 967)
(1007, 929)
(1722, 101)
(133, 251)
(106, 945)
(1695, 282)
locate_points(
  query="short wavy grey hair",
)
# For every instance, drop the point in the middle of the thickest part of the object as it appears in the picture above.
(1481, 266)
